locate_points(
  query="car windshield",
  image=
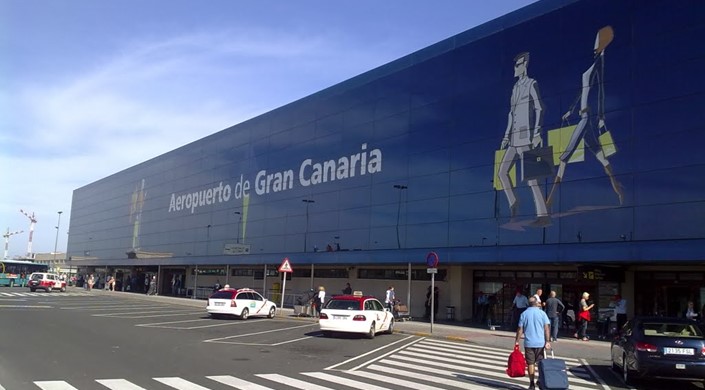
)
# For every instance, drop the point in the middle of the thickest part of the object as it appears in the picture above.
(666, 329)
(222, 295)
(343, 304)
(36, 276)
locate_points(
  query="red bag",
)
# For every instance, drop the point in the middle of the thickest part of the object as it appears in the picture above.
(516, 365)
(584, 315)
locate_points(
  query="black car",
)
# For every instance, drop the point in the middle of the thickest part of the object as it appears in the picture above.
(659, 347)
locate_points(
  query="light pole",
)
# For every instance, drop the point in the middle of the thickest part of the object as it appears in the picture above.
(239, 223)
(56, 241)
(308, 202)
(400, 188)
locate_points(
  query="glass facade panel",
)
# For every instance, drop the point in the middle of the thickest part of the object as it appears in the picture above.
(430, 152)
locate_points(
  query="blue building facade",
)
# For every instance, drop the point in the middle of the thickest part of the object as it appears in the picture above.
(557, 145)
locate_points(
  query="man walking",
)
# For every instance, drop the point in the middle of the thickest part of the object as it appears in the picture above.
(535, 327)
(554, 308)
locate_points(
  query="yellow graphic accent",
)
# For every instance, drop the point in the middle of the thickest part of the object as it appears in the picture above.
(498, 156)
(607, 143)
(559, 138)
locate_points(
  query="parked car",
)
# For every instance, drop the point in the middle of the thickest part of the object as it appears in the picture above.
(243, 303)
(46, 281)
(355, 314)
(659, 347)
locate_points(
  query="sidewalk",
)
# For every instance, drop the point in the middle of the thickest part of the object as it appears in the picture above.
(593, 350)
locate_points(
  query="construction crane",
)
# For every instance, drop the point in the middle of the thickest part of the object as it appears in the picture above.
(32, 222)
(7, 239)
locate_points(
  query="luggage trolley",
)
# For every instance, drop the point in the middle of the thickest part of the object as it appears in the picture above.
(302, 304)
(401, 312)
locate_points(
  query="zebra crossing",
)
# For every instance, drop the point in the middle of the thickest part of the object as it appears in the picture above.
(427, 364)
(42, 294)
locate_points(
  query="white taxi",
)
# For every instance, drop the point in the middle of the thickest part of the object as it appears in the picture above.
(243, 303)
(45, 281)
(355, 314)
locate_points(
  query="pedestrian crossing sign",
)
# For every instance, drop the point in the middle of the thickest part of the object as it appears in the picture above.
(286, 266)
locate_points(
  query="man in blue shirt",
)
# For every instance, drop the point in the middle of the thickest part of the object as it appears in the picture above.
(535, 327)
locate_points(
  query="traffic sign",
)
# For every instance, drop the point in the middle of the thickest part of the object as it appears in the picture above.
(431, 270)
(432, 260)
(286, 266)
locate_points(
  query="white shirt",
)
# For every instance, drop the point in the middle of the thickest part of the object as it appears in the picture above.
(390, 296)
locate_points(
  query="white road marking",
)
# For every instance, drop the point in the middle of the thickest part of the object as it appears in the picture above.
(374, 351)
(119, 384)
(299, 384)
(180, 384)
(145, 315)
(344, 381)
(236, 383)
(54, 385)
(218, 340)
(396, 381)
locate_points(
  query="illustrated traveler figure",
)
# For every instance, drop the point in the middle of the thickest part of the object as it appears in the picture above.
(534, 326)
(583, 317)
(523, 133)
(347, 290)
(554, 308)
(592, 81)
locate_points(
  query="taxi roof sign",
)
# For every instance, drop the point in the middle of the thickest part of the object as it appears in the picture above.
(286, 266)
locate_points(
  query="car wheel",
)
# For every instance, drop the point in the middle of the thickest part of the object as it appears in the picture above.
(32, 289)
(244, 314)
(48, 289)
(390, 329)
(272, 312)
(371, 332)
(63, 289)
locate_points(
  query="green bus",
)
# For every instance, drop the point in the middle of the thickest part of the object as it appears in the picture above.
(16, 272)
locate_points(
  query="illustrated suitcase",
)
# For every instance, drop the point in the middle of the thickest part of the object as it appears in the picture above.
(553, 374)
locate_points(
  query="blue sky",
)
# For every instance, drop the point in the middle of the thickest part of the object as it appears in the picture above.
(90, 88)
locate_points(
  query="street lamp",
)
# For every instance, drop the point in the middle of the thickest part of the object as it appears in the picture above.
(56, 241)
(308, 202)
(239, 223)
(400, 188)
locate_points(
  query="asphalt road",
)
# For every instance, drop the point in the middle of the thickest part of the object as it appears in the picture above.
(97, 340)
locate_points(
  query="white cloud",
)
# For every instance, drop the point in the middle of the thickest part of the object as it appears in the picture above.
(148, 99)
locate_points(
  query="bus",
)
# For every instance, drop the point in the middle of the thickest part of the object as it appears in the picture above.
(16, 272)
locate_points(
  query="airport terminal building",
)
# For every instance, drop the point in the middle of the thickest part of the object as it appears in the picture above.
(557, 146)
